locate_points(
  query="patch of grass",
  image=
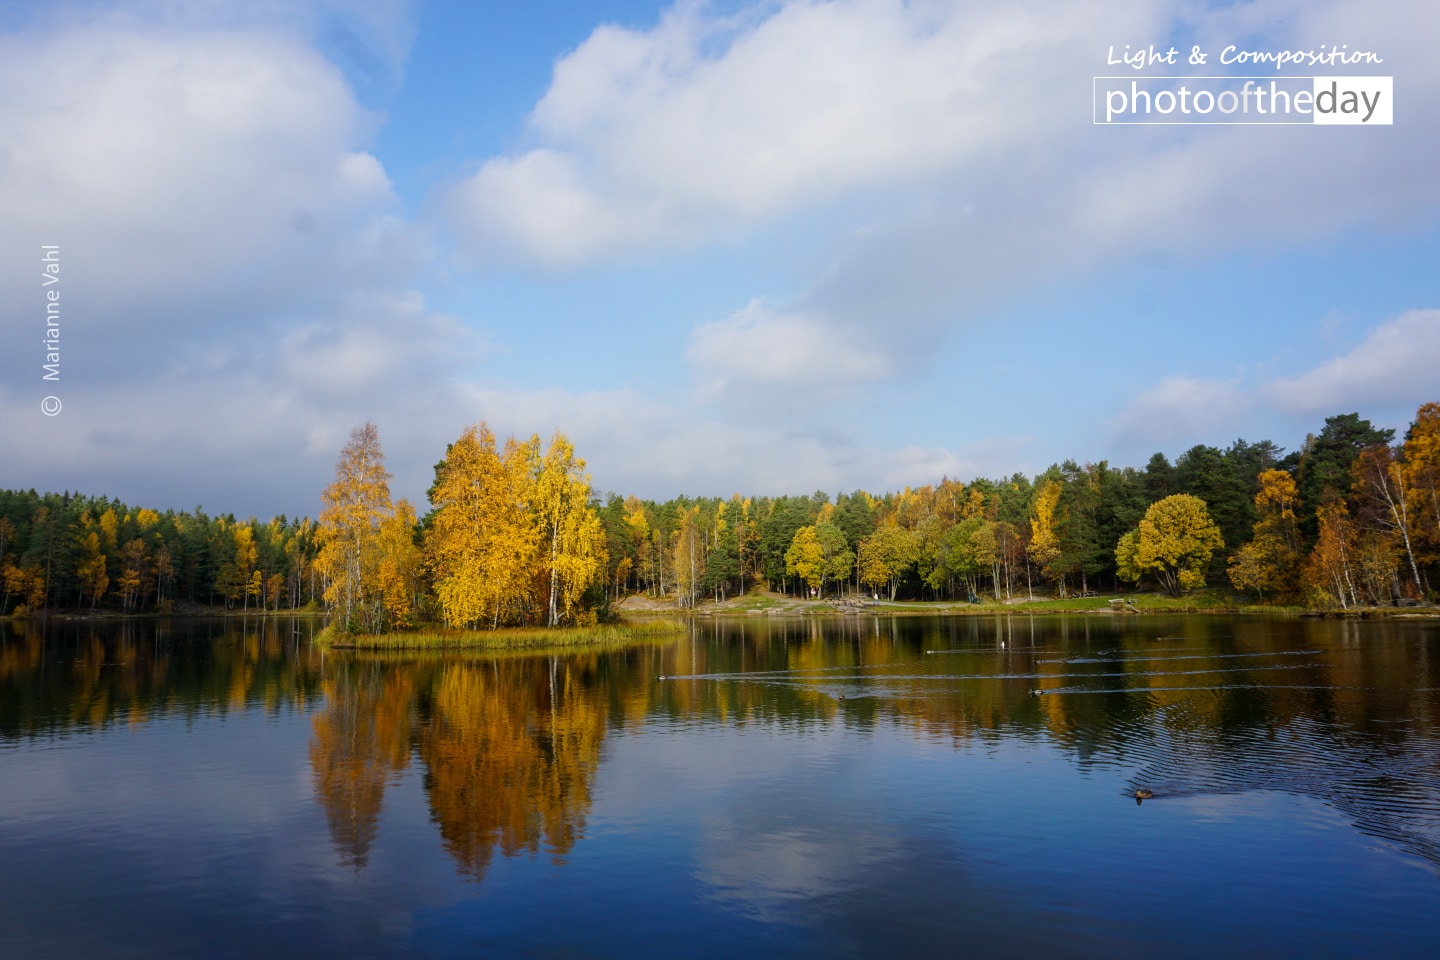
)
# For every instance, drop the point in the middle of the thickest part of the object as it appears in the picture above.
(506, 638)
(1200, 601)
(1065, 604)
(753, 602)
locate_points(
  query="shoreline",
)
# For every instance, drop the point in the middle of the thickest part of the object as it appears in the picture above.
(190, 613)
(506, 638)
(776, 605)
(648, 610)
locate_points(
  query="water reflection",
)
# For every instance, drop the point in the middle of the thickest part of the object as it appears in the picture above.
(1344, 713)
(509, 750)
(361, 740)
(59, 676)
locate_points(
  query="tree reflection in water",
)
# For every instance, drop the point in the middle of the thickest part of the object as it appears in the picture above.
(510, 748)
(1345, 712)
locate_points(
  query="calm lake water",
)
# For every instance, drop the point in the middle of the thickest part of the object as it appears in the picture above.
(857, 787)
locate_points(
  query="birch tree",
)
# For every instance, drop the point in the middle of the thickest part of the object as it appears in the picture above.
(573, 539)
(355, 505)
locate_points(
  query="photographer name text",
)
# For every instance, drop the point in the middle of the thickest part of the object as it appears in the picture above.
(50, 286)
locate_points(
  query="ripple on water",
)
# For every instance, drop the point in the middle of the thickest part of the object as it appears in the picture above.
(1388, 794)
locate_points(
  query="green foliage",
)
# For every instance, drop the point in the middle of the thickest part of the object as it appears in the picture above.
(144, 560)
(886, 557)
(1158, 481)
(1077, 524)
(1212, 476)
(855, 516)
(1324, 463)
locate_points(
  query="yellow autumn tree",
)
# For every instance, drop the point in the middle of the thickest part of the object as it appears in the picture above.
(1174, 540)
(886, 556)
(132, 580)
(90, 568)
(685, 553)
(400, 563)
(805, 558)
(246, 578)
(572, 544)
(638, 525)
(482, 542)
(1382, 483)
(1422, 466)
(1271, 561)
(1327, 574)
(1044, 548)
(355, 505)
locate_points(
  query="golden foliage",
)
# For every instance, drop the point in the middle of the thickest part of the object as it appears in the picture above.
(886, 556)
(400, 563)
(573, 539)
(1044, 548)
(806, 558)
(358, 743)
(482, 543)
(1175, 540)
(350, 556)
(511, 748)
(1271, 561)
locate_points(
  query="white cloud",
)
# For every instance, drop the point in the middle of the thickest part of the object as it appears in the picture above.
(251, 425)
(703, 122)
(914, 466)
(245, 276)
(234, 275)
(662, 446)
(1387, 375)
(1397, 364)
(758, 348)
(946, 152)
(1181, 408)
(540, 202)
(168, 160)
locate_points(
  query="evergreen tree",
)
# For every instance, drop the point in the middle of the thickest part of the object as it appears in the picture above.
(1324, 464)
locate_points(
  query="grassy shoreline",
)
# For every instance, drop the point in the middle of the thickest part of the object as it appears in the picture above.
(1206, 602)
(505, 638)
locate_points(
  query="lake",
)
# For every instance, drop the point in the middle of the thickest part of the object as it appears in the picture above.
(845, 787)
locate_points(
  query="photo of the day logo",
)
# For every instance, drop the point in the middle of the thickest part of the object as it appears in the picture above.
(1358, 101)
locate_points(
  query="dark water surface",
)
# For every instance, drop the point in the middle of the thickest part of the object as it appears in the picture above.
(856, 787)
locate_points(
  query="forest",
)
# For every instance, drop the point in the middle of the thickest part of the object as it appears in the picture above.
(514, 534)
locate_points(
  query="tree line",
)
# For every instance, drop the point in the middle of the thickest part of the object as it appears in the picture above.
(67, 551)
(1352, 517)
(514, 534)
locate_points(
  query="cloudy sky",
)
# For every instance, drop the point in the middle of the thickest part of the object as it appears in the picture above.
(766, 247)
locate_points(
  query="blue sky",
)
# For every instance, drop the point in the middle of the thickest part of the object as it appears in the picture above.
(759, 247)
